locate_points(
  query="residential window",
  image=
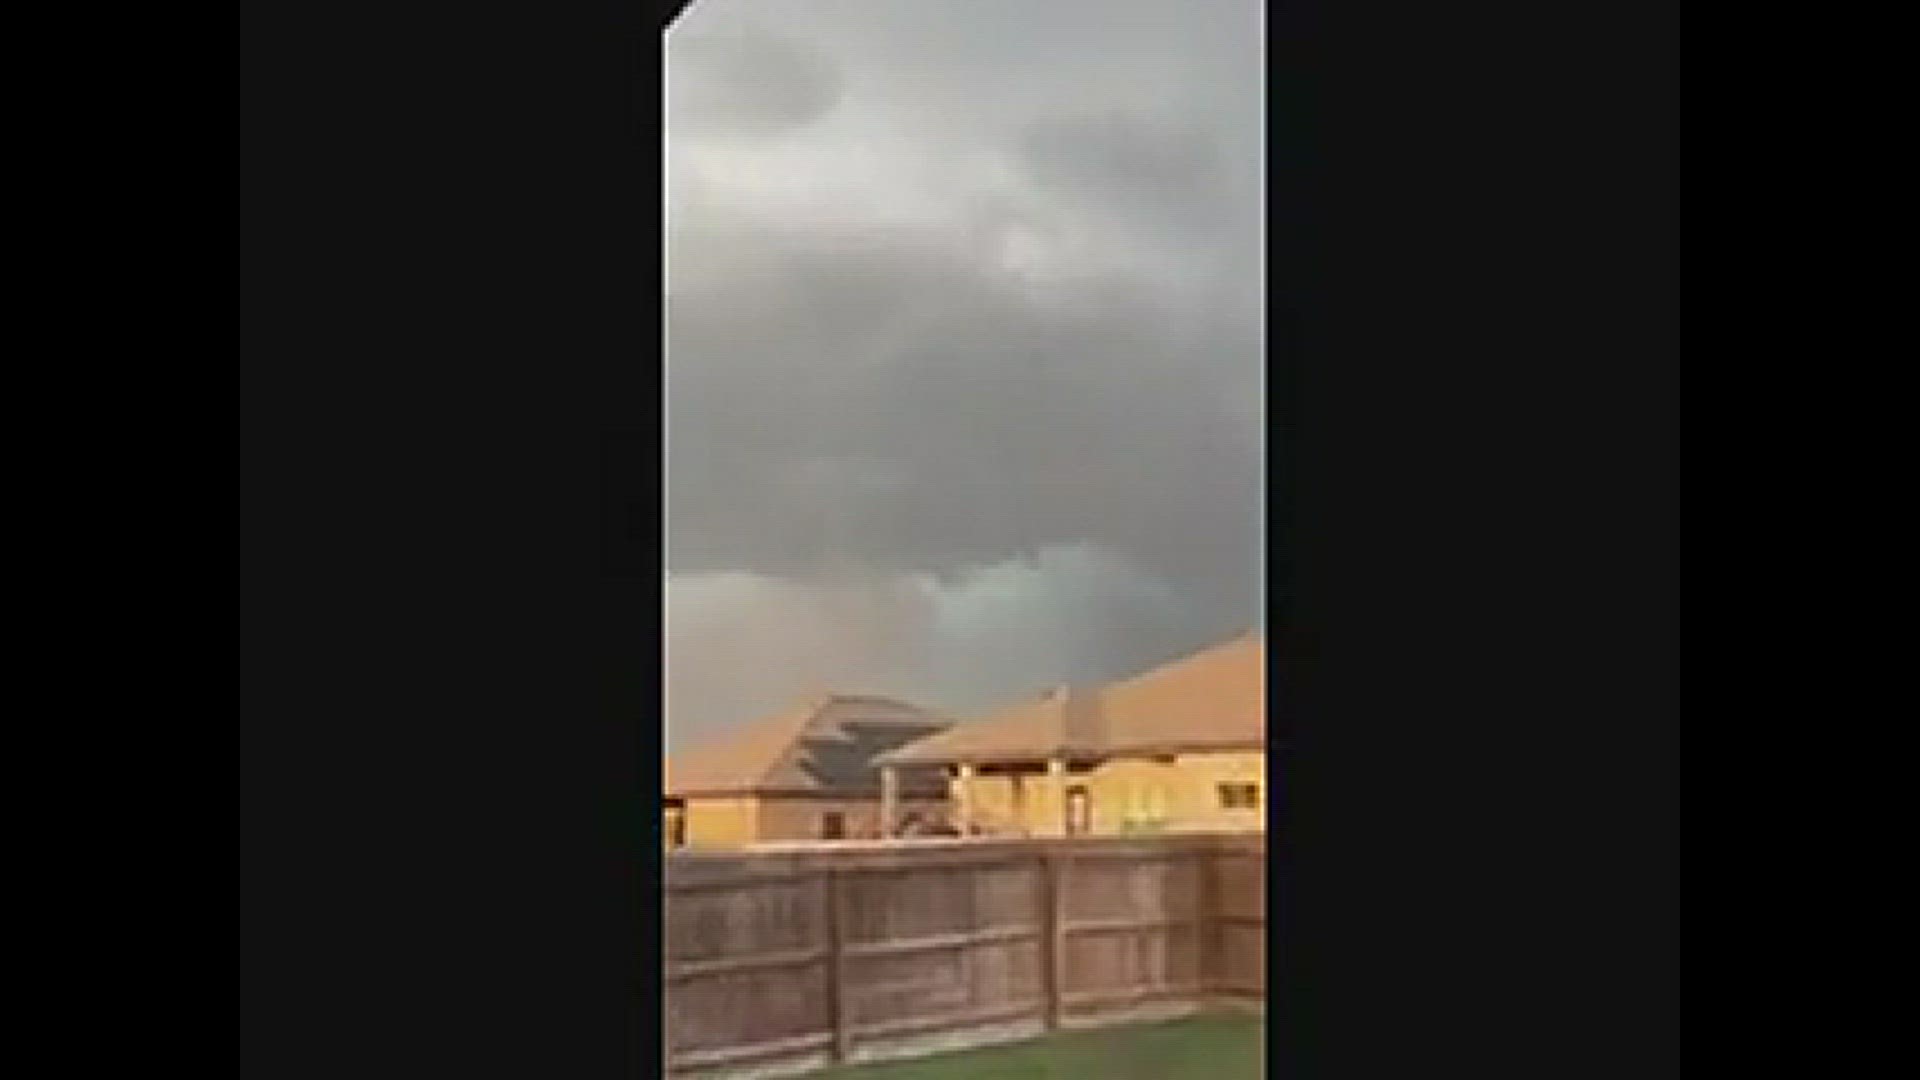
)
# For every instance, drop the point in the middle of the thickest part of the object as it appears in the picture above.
(1239, 796)
(833, 825)
(676, 827)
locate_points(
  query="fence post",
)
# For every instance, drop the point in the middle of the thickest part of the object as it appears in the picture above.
(1053, 938)
(837, 968)
(1206, 924)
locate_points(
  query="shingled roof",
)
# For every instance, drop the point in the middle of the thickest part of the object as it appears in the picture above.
(1063, 719)
(1210, 700)
(1216, 699)
(824, 746)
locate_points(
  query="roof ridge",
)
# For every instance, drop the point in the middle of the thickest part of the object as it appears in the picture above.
(1106, 717)
(1248, 637)
(875, 697)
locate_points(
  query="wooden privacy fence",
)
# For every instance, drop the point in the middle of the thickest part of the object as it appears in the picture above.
(797, 960)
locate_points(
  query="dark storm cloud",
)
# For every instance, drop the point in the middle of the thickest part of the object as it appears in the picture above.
(879, 402)
(1128, 159)
(748, 83)
(963, 345)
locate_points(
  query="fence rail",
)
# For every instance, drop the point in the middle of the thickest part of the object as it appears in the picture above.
(793, 960)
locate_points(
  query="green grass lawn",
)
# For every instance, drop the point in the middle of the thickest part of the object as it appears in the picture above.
(1213, 1046)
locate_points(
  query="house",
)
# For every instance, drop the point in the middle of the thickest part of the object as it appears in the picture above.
(805, 774)
(1181, 747)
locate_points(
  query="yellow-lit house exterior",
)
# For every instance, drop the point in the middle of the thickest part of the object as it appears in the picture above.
(1179, 748)
(805, 774)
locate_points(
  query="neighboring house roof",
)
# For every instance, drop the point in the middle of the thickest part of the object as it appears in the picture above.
(1216, 699)
(1055, 722)
(1210, 700)
(825, 746)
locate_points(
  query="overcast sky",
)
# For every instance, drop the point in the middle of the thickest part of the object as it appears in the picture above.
(964, 346)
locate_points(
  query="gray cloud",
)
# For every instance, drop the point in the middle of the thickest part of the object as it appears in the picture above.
(943, 415)
(1126, 158)
(963, 366)
(747, 83)
(742, 645)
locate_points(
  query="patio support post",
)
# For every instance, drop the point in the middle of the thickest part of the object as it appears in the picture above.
(1057, 788)
(889, 800)
(964, 797)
